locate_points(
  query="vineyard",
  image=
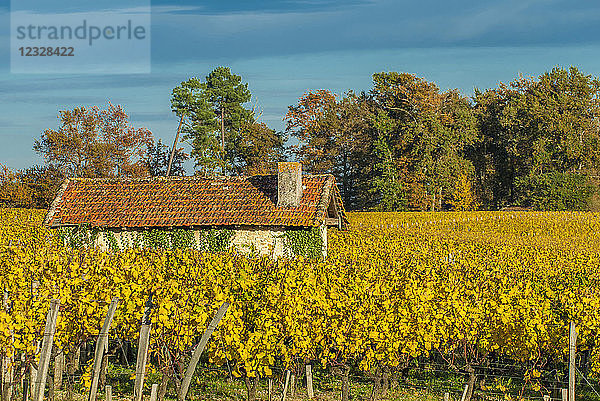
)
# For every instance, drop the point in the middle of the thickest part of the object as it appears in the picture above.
(485, 296)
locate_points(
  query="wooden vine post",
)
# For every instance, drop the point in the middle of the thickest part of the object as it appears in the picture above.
(345, 383)
(270, 393)
(464, 394)
(187, 379)
(59, 368)
(285, 386)
(572, 353)
(108, 393)
(142, 355)
(101, 345)
(154, 392)
(42, 371)
(309, 382)
(7, 375)
(32, 376)
(8, 361)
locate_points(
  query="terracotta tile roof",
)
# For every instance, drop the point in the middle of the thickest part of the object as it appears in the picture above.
(189, 201)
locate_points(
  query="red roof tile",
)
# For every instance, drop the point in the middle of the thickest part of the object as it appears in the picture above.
(189, 201)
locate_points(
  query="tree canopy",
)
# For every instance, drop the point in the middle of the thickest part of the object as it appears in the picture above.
(225, 135)
(532, 127)
(399, 147)
(94, 142)
(407, 145)
(334, 137)
(157, 160)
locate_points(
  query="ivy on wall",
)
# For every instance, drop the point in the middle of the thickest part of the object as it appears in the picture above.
(113, 244)
(212, 240)
(155, 238)
(300, 242)
(182, 238)
(78, 236)
(304, 242)
(216, 240)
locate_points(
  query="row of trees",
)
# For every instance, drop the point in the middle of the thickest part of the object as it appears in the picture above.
(404, 145)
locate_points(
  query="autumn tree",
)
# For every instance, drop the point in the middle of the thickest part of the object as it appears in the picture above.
(13, 192)
(94, 142)
(463, 198)
(43, 183)
(421, 138)
(259, 148)
(333, 134)
(398, 147)
(534, 127)
(225, 135)
(402, 146)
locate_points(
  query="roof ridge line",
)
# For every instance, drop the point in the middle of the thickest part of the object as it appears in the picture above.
(186, 177)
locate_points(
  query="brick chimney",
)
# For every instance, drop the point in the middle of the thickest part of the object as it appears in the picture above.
(289, 184)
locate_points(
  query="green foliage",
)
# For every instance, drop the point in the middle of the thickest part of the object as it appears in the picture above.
(213, 113)
(402, 145)
(43, 182)
(398, 147)
(392, 192)
(157, 160)
(168, 239)
(84, 236)
(216, 240)
(535, 126)
(182, 238)
(79, 236)
(113, 244)
(137, 241)
(305, 242)
(335, 137)
(156, 238)
(422, 133)
(554, 191)
(259, 148)
(164, 239)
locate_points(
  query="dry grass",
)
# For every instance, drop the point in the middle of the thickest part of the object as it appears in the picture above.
(223, 389)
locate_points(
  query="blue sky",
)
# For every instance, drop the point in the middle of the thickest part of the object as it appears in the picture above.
(284, 48)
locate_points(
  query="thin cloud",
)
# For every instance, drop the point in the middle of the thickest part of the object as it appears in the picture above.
(373, 25)
(218, 7)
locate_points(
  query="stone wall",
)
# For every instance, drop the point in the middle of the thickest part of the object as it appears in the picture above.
(264, 241)
(124, 238)
(323, 230)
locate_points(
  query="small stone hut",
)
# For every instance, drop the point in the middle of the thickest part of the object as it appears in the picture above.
(260, 214)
